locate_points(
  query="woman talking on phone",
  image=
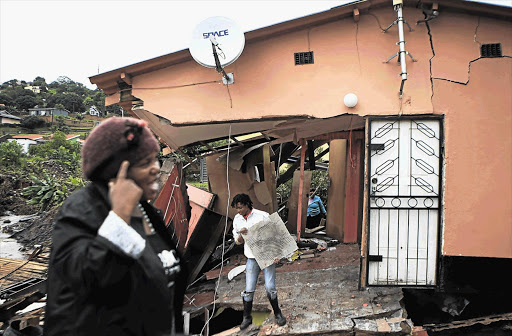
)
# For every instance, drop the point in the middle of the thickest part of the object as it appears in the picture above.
(114, 268)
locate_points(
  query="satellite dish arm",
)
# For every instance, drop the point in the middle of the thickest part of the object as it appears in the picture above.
(218, 66)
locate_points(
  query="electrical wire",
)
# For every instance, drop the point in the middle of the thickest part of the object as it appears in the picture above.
(223, 236)
(170, 87)
(230, 99)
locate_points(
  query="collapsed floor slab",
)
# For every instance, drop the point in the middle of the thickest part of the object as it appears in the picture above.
(321, 296)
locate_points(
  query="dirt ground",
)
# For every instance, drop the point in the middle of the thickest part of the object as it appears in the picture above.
(37, 227)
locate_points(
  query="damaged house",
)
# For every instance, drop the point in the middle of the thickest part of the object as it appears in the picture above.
(412, 98)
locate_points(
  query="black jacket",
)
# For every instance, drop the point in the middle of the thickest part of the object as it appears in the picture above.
(94, 288)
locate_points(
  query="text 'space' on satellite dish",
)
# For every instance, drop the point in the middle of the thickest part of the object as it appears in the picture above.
(225, 32)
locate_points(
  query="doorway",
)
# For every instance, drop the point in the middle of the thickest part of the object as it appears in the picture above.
(404, 199)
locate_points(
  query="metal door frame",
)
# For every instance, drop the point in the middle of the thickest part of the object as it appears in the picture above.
(368, 171)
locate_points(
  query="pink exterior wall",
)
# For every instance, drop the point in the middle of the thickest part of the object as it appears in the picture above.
(478, 136)
(349, 57)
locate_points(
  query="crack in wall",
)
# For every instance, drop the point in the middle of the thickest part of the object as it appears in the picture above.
(469, 64)
(469, 71)
(429, 32)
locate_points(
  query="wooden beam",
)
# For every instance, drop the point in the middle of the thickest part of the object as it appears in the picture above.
(189, 160)
(288, 174)
(293, 201)
(269, 174)
(126, 78)
(301, 187)
(364, 229)
(359, 134)
(311, 155)
(355, 12)
(336, 192)
(352, 192)
(207, 145)
(237, 141)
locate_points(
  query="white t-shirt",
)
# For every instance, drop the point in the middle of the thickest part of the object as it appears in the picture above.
(239, 222)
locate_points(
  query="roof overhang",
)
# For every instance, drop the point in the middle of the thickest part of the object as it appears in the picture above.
(278, 130)
(109, 81)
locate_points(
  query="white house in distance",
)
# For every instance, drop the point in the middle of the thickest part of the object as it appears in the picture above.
(28, 140)
(94, 111)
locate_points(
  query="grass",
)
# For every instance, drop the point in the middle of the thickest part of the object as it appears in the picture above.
(200, 185)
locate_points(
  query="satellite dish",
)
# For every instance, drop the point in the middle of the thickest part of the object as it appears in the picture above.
(224, 35)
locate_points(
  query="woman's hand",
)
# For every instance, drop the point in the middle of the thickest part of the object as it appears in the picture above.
(240, 239)
(124, 193)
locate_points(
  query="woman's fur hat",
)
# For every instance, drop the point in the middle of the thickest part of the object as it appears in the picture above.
(114, 141)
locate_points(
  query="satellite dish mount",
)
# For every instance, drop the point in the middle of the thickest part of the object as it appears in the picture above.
(216, 43)
(227, 78)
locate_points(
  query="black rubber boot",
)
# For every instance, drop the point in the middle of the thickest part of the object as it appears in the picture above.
(247, 321)
(280, 319)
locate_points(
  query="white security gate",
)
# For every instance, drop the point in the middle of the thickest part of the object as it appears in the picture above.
(404, 201)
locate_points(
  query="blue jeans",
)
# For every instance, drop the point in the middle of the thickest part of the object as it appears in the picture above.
(252, 270)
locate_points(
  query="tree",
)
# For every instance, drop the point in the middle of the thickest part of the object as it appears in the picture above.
(25, 102)
(60, 129)
(6, 100)
(11, 153)
(39, 81)
(32, 122)
(70, 101)
(88, 101)
(73, 102)
(10, 83)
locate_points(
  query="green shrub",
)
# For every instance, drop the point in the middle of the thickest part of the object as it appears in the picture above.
(32, 122)
(11, 154)
(49, 191)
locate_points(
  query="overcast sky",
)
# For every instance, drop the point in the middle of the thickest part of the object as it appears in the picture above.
(80, 39)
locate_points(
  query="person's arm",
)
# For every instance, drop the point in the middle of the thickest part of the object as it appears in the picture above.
(88, 259)
(93, 248)
(237, 234)
(322, 208)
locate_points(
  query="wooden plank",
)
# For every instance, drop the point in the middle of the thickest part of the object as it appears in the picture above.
(204, 240)
(274, 186)
(196, 216)
(364, 228)
(13, 271)
(268, 167)
(352, 192)
(336, 192)
(301, 205)
(313, 230)
(201, 197)
(291, 225)
(338, 135)
(200, 200)
(228, 332)
(172, 203)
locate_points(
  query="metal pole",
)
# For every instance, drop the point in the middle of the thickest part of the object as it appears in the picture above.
(401, 42)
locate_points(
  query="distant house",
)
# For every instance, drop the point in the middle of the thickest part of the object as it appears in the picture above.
(7, 118)
(28, 140)
(47, 111)
(35, 89)
(94, 111)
